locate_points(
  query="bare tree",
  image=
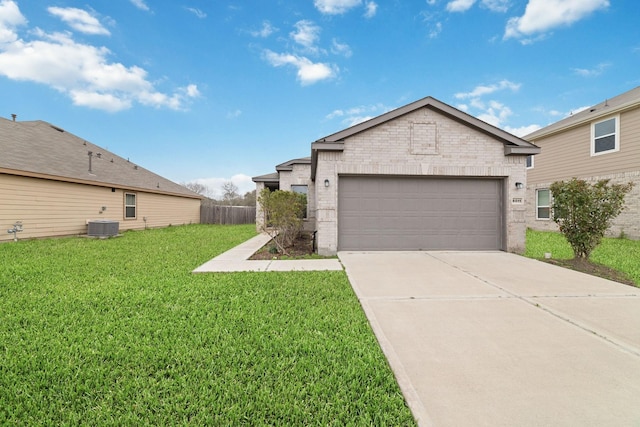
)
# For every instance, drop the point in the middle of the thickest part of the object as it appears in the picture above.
(196, 187)
(229, 192)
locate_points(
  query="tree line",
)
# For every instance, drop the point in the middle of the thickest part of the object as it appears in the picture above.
(230, 195)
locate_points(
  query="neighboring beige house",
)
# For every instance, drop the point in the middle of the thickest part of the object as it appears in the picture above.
(54, 183)
(425, 176)
(601, 142)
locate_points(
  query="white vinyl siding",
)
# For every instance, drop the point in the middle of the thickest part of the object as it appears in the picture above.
(53, 208)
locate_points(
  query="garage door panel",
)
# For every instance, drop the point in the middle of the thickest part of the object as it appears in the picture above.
(400, 213)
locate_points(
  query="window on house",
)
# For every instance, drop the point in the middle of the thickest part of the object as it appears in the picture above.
(543, 203)
(529, 162)
(302, 189)
(605, 136)
(129, 206)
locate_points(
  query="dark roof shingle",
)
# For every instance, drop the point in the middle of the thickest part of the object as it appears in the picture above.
(37, 148)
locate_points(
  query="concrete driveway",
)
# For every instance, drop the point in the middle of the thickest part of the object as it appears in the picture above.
(495, 339)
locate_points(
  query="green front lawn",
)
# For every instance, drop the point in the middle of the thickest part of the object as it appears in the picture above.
(120, 332)
(620, 254)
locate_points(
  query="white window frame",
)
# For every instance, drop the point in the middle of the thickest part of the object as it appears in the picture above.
(616, 135)
(532, 157)
(538, 206)
(134, 206)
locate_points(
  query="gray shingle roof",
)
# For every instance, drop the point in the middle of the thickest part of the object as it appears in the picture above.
(37, 148)
(270, 177)
(627, 100)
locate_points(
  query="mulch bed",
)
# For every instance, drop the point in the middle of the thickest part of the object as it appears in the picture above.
(588, 267)
(302, 247)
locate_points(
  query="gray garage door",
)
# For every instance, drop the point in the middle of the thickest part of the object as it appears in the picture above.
(406, 213)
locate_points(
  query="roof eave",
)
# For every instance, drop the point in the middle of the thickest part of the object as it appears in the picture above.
(322, 146)
(103, 184)
(552, 129)
(511, 150)
(272, 177)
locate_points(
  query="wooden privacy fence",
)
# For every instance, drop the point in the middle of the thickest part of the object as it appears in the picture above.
(217, 214)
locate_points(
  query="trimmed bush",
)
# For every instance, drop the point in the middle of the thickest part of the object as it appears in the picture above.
(584, 211)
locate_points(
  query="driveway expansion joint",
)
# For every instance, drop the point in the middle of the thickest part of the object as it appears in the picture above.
(635, 351)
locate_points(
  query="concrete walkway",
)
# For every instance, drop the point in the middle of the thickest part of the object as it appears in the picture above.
(237, 259)
(496, 339)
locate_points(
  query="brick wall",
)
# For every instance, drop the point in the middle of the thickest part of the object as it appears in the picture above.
(421, 143)
(627, 223)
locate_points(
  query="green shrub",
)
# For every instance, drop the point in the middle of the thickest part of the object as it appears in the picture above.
(584, 211)
(284, 213)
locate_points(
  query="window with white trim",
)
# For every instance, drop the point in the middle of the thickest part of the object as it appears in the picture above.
(605, 136)
(529, 161)
(543, 203)
(130, 205)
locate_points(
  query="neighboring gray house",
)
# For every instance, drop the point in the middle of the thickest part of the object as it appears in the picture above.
(55, 183)
(600, 142)
(294, 175)
(425, 176)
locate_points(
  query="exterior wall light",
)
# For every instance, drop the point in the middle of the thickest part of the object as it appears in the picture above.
(519, 185)
(326, 183)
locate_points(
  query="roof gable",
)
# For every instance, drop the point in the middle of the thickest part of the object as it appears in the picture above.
(441, 107)
(513, 145)
(288, 166)
(40, 149)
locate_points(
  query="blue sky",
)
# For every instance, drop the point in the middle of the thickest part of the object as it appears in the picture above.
(209, 91)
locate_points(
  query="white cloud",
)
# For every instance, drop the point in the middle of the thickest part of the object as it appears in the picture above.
(435, 30)
(306, 34)
(192, 91)
(82, 72)
(10, 20)
(355, 115)
(266, 30)
(496, 5)
(495, 113)
(372, 8)
(459, 5)
(542, 16)
(464, 5)
(242, 181)
(79, 20)
(491, 111)
(234, 114)
(140, 4)
(336, 7)
(488, 89)
(200, 14)
(522, 130)
(341, 49)
(308, 71)
(99, 101)
(592, 72)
